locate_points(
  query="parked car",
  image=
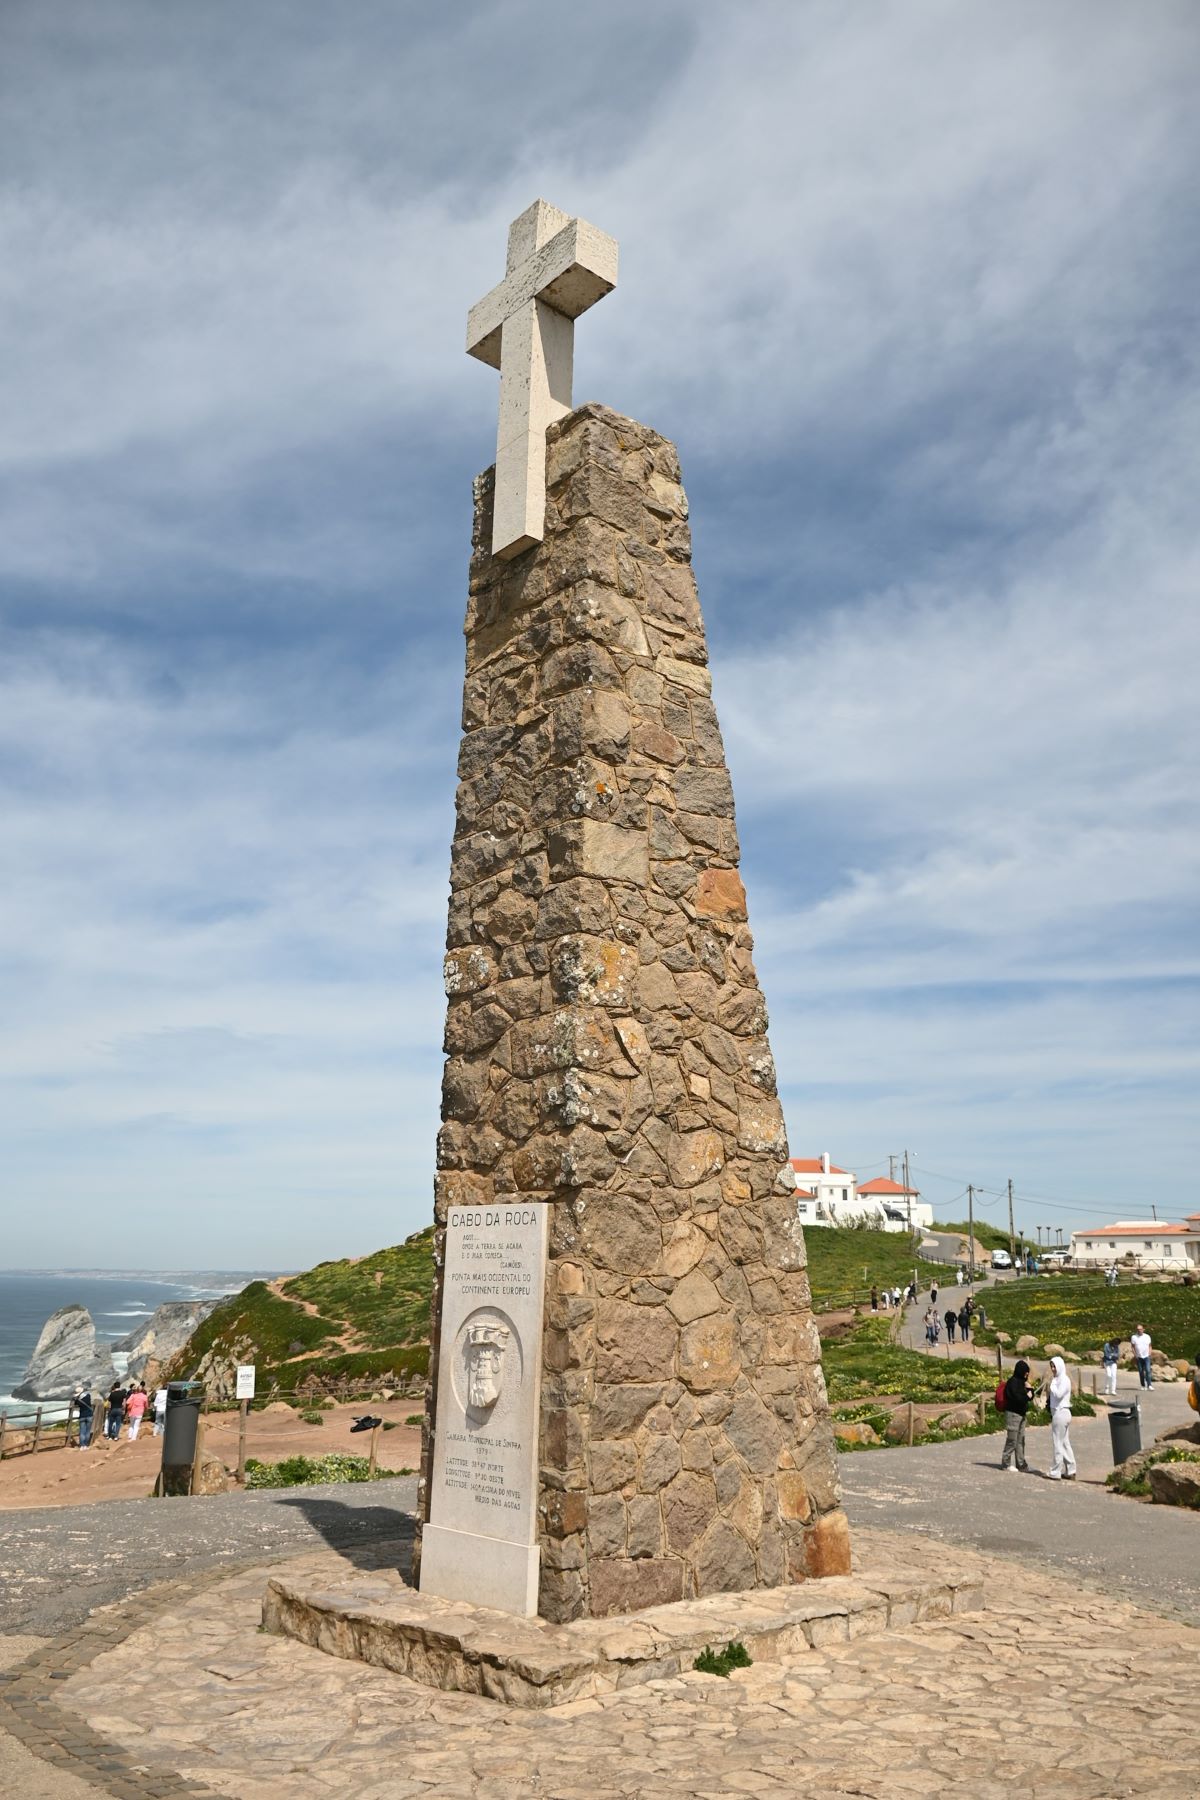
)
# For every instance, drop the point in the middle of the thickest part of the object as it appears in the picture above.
(1001, 1259)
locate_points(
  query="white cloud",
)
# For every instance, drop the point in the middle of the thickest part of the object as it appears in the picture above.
(911, 287)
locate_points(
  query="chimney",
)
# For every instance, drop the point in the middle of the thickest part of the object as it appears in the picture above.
(825, 1162)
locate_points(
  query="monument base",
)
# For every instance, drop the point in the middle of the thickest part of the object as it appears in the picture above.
(460, 1565)
(529, 1662)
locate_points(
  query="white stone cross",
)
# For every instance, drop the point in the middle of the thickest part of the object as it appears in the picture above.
(556, 268)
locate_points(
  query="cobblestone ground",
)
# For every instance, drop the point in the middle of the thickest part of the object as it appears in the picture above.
(1055, 1690)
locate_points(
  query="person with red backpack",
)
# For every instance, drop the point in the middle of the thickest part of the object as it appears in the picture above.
(1016, 1396)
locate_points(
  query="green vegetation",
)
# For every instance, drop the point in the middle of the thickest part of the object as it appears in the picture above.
(1138, 1484)
(384, 1298)
(734, 1656)
(414, 1419)
(843, 1264)
(371, 1322)
(990, 1236)
(1079, 1312)
(303, 1471)
(312, 1416)
(866, 1362)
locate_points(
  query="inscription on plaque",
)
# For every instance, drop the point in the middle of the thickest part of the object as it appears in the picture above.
(480, 1542)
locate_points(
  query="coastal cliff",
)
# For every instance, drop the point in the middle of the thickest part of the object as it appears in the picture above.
(163, 1335)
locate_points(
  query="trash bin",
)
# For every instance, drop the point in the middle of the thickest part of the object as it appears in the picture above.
(184, 1400)
(1125, 1424)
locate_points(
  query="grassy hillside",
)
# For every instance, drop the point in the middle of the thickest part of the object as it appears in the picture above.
(990, 1236)
(843, 1264)
(1079, 1312)
(354, 1319)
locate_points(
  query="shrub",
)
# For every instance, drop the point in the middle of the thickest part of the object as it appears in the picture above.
(312, 1416)
(303, 1471)
(734, 1656)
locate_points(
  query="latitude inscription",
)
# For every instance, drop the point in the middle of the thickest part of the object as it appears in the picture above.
(480, 1541)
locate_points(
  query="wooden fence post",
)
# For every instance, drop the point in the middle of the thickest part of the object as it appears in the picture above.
(1095, 1389)
(3, 1432)
(981, 1408)
(241, 1468)
(371, 1463)
(911, 1416)
(37, 1432)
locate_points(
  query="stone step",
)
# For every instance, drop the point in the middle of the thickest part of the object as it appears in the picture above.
(374, 1617)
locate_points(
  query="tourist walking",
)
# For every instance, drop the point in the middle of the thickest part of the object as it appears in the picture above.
(1062, 1467)
(1017, 1398)
(116, 1411)
(160, 1411)
(951, 1320)
(964, 1322)
(874, 1299)
(1140, 1342)
(85, 1407)
(933, 1293)
(135, 1409)
(1111, 1355)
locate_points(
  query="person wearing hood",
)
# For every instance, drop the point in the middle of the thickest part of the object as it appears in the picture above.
(1063, 1466)
(1017, 1398)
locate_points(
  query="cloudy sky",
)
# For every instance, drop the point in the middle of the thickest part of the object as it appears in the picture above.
(914, 289)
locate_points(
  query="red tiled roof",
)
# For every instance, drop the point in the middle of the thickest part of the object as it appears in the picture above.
(1142, 1231)
(804, 1194)
(881, 1185)
(812, 1165)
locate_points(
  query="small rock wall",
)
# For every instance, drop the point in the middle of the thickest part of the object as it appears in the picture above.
(607, 1055)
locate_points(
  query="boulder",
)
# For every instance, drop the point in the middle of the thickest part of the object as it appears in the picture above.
(957, 1418)
(1182, 1366)
(1180, 1434)
(1158, 1357)
(1003, 1337)
(1175, 1483)
(854, 1431)
(1025, 1342)
(65, 1354)
(1053, 1350)
(896, 1429)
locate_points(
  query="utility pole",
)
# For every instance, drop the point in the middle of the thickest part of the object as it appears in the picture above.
(907, 1194)
(891, 1168)
(971, 1239)
(1012, 1236)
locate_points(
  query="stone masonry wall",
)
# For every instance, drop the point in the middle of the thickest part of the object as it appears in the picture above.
(607, 1056)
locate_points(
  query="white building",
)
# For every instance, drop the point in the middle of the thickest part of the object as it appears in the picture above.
(1150, 1243)
(902, 1205)
(829, 1195)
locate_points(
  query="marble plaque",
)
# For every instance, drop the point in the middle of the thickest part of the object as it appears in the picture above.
(480, 1542)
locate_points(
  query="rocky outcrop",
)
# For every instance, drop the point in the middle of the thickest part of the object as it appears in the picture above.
(66, 1354)
(1175, 1483)
(163, 1335)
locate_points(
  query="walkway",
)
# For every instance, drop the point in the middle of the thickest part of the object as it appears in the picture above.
(61, 1562)
(957, 1494)
(1052, 1692)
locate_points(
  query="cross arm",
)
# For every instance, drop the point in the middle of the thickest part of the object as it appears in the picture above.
(577, 267)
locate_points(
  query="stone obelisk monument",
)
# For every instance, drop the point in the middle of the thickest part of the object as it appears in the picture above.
(626, 1404)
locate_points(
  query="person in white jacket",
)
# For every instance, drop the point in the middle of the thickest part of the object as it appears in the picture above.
(1063, 1466)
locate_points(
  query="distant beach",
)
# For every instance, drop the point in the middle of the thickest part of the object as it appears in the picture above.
(117, 1303)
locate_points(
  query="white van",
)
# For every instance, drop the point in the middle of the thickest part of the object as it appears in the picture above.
(1001, 1259)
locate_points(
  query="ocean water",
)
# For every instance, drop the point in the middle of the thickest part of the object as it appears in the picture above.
(117, 1304)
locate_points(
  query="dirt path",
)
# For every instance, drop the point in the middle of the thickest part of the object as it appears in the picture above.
(125, 1471)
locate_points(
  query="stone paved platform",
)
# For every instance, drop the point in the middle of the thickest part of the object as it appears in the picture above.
(378, 1619)
(1057, 1691)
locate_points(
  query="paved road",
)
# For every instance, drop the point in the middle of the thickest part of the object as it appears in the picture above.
(956, 1493)
(58, 1563)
